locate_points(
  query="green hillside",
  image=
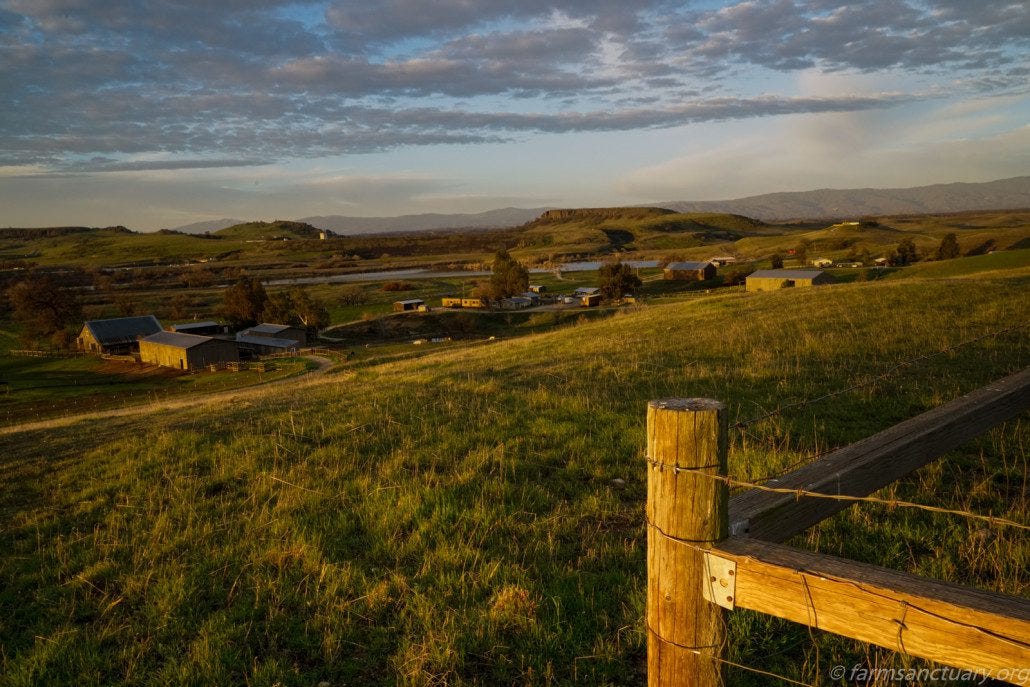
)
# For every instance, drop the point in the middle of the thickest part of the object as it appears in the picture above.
(558, 235)
(459, 517)
(269, 231)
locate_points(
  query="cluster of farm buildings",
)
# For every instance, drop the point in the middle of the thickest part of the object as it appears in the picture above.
(202, 345)
(189, 346)
(762, 280)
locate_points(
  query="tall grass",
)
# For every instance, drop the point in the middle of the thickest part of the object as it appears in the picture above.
(475, 516)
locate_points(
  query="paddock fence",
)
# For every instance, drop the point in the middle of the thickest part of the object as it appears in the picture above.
(710, 554)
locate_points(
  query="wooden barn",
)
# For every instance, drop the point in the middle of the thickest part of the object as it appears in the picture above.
(591, 300)
(298, 335)
(771, 280)
(186, 351)
(408, 305)
(116, 336)
(689, 271)
(207, 328)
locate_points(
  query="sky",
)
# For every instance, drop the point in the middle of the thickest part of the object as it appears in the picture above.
(160, 114)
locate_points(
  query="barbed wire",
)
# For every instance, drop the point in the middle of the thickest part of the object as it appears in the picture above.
(800, 492)
(874, 378)
(697, 651)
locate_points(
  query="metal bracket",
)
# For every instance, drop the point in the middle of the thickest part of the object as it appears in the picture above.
(720, 583)
(740, 528)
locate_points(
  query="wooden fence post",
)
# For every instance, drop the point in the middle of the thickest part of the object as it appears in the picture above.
(686, 512)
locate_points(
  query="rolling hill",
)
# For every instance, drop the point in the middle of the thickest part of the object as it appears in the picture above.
(475, 515)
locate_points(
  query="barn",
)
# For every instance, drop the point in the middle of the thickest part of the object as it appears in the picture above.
(689, 271)
(298, 335)
(771, 280)
(408, 305)
(591, 300)
(116, 336)
(186, 351)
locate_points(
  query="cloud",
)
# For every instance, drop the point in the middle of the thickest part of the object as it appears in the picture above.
(787, 35)
(835, 150)
(102, 164)
(148, 89)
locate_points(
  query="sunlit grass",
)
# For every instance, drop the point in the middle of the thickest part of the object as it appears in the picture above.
(455, 518)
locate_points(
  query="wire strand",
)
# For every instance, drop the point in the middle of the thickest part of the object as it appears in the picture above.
(697, 651)
(800, 492)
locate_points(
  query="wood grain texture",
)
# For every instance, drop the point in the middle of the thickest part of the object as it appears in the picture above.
(875, 462)
(951, 624)
(683, 628)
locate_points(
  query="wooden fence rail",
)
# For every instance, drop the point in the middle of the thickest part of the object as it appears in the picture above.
(697, 571)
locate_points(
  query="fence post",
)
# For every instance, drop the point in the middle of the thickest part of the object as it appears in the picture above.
(684, 630)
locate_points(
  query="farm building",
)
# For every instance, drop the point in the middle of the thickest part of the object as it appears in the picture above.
(116, 336)
(722, 260)
(475, 303)
(250, 345)
(689, 271)
(770, 280)
(822, 262)
(186, 351)
(450, 302)
(207, 328)
(537, 288)
(531, 295)
(298, 335)
(516, 303)
(585, 291)
(410, 304)
(591, 300)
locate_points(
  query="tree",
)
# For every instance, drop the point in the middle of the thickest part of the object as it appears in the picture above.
(905, 253)
(509, 276)
(244, 302)
(777, 261)
(44, 308)
(179, 306)
(311, 312)
(949, 248)
(279, 309)
(616, 279)
(801, 251)
(353, 294)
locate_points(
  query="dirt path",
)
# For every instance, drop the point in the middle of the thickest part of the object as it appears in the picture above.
(171, 404)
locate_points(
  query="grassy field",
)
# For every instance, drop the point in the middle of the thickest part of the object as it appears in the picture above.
(452, 515)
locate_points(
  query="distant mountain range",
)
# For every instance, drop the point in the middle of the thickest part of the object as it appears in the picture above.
(1004, 194)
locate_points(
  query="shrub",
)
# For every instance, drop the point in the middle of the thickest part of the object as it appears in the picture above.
(397, 286)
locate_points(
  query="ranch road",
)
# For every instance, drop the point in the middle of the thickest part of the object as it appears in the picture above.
(171, 404)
